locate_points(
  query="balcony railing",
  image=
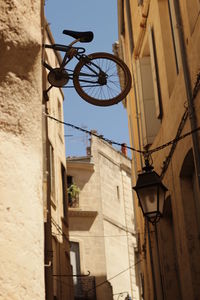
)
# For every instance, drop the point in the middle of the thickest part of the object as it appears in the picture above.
(73, 202)
(84, 288)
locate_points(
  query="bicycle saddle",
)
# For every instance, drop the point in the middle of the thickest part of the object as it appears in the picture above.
(84, 36)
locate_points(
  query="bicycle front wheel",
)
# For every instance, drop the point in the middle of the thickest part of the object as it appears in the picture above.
(102, 79)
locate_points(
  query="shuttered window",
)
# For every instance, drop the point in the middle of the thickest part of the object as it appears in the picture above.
(155, 74)
(174, 31)
(150, 124)
(130, 29)
(52, 174)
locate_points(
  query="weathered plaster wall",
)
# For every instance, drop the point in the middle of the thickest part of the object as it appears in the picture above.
(180, 275)
(21, 207)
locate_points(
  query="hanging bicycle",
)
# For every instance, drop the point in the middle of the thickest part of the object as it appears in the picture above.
(99, 78)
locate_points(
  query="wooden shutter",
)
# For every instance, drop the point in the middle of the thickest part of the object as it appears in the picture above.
(174, 28)
(150, 124)
(154, 73)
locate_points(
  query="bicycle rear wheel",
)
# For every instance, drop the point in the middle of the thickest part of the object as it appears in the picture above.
(102, 79)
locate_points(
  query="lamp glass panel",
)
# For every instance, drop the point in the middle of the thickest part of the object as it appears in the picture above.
(161, 199)
(148, 199)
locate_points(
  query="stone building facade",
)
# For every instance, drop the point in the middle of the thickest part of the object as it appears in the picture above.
(101, 224)
(34, 228)
(59, 284)
(160, 42)
(21, 208)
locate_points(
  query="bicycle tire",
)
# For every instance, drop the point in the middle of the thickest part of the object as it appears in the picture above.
(101, 95)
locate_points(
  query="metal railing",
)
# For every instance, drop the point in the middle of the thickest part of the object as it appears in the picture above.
(84, 288)
(73, 202)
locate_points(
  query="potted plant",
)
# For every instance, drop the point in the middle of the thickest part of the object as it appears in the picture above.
(73, 195)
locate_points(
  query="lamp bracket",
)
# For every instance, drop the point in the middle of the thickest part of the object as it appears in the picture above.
(148, 166)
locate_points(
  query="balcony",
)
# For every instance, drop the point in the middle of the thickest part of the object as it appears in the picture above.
(84, 288)
(73, 201)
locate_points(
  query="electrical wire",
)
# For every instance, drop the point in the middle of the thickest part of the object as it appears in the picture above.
(167, 160)
(172, 142)
(144, 152)
(91, 133)
(147, 153)
(105, 281)
(118, 274)
(95, 236)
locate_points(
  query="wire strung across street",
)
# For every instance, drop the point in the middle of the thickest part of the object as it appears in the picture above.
(147, 153)
(91, 133)
(105, 281)
(144, 152)
(118, 274)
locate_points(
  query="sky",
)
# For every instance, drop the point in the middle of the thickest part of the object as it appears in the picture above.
(101, 18)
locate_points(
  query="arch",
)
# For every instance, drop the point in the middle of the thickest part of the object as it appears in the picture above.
(169, 253)
(187, 168)
(188, 184)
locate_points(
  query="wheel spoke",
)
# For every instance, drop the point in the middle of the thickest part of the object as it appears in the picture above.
(102, 90)
(113, 85)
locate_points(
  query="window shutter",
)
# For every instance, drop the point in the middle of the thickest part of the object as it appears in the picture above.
(150, 124)
(154, 72)
(174, 25)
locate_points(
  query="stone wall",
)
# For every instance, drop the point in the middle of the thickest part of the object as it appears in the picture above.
(174, 26)
(103, 224)
(21, 207)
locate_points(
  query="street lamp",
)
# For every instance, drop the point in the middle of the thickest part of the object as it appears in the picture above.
(151, 193)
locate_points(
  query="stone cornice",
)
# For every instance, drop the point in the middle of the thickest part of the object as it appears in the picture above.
(80, 165)
(74, 212)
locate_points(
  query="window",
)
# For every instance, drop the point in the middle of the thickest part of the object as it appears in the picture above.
(69, 180)
(171, 54)
(148, 89)
(174, 32)
(60, 117)
(130, 30)
(73, 192)
(52, 173)
(76, 269)
(121, 17)
(69, 183)
(59, 110)
(118, 193)
(155, 74)
(64, 200)
(149, 122)
(75, 259)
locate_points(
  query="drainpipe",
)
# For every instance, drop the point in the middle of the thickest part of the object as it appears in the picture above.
(48, 251)
(191, 110)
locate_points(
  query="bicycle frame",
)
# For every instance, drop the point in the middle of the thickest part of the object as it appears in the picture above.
(70, 53)
(95, 77)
